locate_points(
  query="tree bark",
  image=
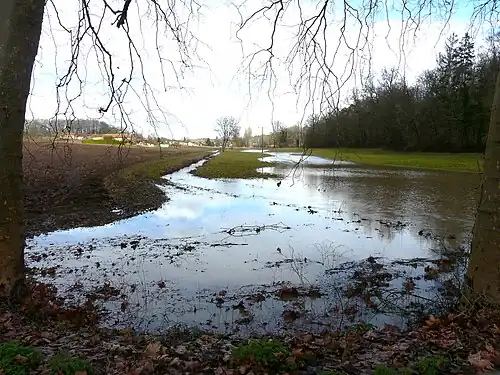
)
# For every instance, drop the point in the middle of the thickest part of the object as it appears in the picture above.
(20, 29)
(484, 265)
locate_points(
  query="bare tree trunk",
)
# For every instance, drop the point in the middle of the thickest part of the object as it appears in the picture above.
(484, 265)
(20, 28)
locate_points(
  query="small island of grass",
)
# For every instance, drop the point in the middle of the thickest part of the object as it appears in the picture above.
(463, 162)
(234, 164)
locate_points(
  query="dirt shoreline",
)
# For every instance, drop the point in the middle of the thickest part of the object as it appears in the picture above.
(69, 186)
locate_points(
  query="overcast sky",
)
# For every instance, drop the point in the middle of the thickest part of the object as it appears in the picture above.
(218, 84)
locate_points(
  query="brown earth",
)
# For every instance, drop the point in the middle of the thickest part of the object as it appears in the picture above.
(67, 184)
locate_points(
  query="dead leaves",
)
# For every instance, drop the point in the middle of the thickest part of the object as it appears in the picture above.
(153, 350)
(433, 322)
(20, 359)
(485, 359)
(409, 285)
(480, 363)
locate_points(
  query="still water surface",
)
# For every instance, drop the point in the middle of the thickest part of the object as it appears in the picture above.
(203, 257)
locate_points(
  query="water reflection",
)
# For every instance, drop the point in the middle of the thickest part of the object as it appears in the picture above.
(245, 237)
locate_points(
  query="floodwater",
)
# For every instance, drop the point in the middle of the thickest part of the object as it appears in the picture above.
(259, 255)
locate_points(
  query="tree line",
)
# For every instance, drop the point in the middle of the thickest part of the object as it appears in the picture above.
(50, 128)
(446, 109)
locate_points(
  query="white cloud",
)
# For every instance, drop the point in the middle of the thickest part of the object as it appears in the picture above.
(215, 89)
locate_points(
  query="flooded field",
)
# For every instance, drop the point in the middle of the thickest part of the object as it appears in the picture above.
(326, 245)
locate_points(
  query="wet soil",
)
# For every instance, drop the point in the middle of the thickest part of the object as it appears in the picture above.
(65, 184)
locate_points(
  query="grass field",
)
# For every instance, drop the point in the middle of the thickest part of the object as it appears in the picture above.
(136, 179)
(106, 141)
(233, 164)
(465, 162)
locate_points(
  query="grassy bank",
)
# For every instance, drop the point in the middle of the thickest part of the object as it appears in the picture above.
(233, 164)
(465, 162)
(106, 141)
(135, 184)
(77, 185)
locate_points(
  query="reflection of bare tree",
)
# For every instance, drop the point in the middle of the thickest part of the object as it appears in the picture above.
(439, 201)
(252, 230)
(101, 38)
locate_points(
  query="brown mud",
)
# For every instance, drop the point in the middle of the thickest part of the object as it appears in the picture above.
(65, 183)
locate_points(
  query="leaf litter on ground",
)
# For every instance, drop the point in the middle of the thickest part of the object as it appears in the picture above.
(464, 343)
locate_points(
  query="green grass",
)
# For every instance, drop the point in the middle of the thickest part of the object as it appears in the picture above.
(17, 359)
(434, 365)
(105, 141)
(65, 364)
(266, 353)
(384, 370)
(233, 164)
(136, 180)
(465, 162)
(153, 170)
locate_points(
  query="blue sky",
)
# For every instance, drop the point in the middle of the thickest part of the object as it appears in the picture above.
(218, 86)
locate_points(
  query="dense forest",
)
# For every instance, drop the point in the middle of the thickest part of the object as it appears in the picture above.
(446, 109)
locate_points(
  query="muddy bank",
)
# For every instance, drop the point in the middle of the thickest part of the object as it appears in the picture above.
(68, 185)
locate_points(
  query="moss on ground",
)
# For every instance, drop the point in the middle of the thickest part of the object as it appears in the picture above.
(465, 162)
(65, 364)
(234, 164)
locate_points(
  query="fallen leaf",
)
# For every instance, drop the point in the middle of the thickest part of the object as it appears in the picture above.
(432, 321)
(489, 348)
(180, 350)
(81, 373)
(137, 371)
(479, 363)
(20, 359)
(409, 285)
(152, 350)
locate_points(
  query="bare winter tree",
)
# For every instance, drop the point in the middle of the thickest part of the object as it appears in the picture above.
(227, 129)
(88, 36)
(324, 31)
(20, 28)
(247, 136)
(277, 127)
